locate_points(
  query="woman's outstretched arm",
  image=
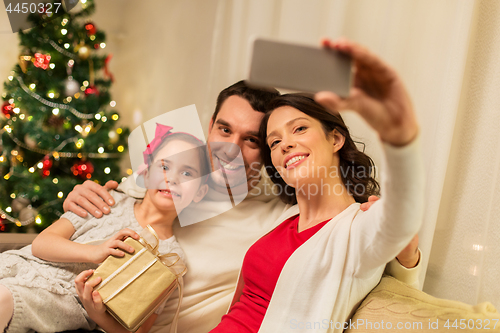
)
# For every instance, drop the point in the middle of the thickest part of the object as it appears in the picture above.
(380, 97)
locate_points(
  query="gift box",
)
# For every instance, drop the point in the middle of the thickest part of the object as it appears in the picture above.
(133, 286)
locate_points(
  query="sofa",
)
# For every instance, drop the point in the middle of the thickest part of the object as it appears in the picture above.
(393, 305)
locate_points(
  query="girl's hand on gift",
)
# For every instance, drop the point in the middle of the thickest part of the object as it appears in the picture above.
(90, 299)
(113, 246)
(92, 302)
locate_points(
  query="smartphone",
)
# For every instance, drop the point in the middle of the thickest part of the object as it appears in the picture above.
(299, 67)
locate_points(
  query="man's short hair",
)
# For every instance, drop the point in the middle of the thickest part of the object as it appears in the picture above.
(259, 98)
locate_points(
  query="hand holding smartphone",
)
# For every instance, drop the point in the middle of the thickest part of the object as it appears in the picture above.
(299, 67)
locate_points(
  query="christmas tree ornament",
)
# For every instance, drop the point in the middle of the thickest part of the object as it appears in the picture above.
(27, 215)
(8, 109)
(24, 60)
(113, 137)
(2, 226)
(41, 60)
(82, 50)
(91, 29)
(71, 87)
(107, 73)
(91, 90)
(46, 166)
(83, 169)
(30, 142)
(19, 203)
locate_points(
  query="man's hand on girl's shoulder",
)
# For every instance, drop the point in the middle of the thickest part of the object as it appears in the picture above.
(90, 197)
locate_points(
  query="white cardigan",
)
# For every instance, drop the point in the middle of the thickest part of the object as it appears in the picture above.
(326, 278)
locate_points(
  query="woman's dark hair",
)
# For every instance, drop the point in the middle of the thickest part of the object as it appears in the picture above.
(356, 168)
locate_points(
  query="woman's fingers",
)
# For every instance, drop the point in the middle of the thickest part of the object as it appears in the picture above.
(379, 95)
(358, 101)
(362, 56)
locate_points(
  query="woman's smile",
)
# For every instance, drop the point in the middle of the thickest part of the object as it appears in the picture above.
(294, 159)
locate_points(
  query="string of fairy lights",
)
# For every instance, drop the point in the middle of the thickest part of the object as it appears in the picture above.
(56, 153)
(57, 48)
(52, 104)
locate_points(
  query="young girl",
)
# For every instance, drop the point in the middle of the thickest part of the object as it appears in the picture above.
(314, 268)
(37, 288)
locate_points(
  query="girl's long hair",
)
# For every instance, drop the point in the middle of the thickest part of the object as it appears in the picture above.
(357, 169)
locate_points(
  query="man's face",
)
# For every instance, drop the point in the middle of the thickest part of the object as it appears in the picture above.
(238, 125)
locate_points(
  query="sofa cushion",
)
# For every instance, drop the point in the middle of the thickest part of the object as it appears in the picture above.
(397, 306)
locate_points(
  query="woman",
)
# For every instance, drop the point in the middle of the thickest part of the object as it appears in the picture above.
(314, 269)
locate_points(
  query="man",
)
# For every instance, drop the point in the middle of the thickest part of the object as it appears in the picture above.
(215, 247)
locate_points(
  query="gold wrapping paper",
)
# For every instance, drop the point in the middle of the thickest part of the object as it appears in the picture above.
(133, 286)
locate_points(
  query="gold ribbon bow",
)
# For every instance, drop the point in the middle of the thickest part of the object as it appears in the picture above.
(150, 240)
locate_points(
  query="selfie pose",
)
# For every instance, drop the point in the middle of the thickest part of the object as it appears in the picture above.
(215, 247)
(37, 282)
(318, 265)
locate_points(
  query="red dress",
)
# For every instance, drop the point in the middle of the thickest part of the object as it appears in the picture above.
(260, 272)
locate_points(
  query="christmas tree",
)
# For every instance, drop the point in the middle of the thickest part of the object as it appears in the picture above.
(58, 123)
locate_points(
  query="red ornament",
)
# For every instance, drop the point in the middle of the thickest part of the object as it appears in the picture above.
(83, 169)
(91, 29)
(47, 165)
(106, 70)
(2, 226)
(42, 60)
(8, 109)
(91, 90)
